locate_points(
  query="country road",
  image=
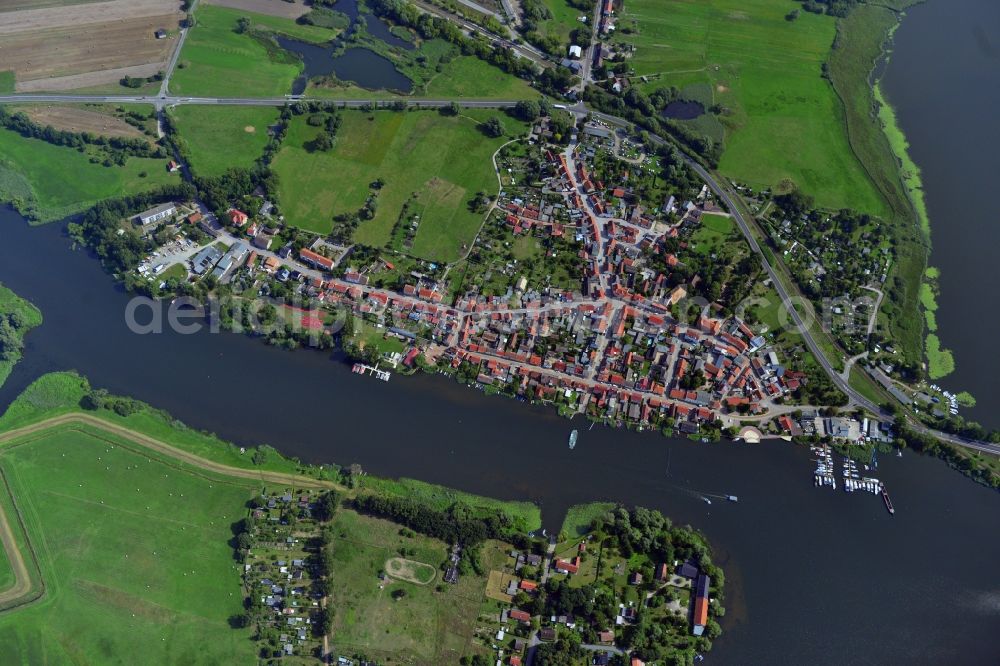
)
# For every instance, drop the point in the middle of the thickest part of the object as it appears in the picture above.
(172, 100)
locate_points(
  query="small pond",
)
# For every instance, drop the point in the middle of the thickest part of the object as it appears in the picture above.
(682, 109)
(357, 65)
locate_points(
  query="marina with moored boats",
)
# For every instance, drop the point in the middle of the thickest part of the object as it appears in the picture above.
(825, 475)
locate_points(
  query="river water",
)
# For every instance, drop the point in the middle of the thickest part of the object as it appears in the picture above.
(943, 80)
(815, 577)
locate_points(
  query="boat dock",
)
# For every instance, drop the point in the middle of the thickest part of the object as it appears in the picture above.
(824, 474)
(853, 481)
(362, 369)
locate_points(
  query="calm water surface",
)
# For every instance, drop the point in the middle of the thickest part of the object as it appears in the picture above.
(944, 81)
(815, 577)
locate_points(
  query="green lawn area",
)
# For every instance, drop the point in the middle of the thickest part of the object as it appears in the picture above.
(468, 76)
(7, 81)
(441, 160)
(56, 181)
(222, 137)
(785, 123)
(424, 626)
(218, 62)
(563, 21)
(133, 552)
(712, 233)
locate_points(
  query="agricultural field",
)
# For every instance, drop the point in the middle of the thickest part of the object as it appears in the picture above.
(433, 163)
(55, 181)
(133, 550)
(217, 138)
(784, 123)
(61, 46)
(395, 619)
(99, 119)
(219, 62)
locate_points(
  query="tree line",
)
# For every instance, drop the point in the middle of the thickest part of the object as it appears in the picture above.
(119, 147)
(456, 524)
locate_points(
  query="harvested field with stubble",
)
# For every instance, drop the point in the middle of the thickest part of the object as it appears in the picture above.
(51, 47)
(76, 119)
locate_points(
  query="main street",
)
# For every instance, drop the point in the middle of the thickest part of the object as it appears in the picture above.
(724, 193)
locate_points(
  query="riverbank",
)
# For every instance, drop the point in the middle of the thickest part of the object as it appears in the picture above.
(17, 318)
(862, 43)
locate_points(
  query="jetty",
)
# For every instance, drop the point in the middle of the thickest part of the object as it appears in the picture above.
(362, 369)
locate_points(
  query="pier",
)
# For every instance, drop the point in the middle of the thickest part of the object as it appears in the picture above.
(362, 369)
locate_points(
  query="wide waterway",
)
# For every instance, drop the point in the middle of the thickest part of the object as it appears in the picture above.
(815, 576)
(943, 80)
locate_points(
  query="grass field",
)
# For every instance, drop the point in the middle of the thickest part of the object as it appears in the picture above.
(443, 161)
(218, 138)
(60, 393)
(713, 232)
(424, 626)
(56, 181)
(563, 21)
(470, 77)
(218, 62)
(785, 123)
(133, 551)
(7, 81)
(859, 43)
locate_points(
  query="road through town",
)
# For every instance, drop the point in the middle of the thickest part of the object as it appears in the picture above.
(722, 191)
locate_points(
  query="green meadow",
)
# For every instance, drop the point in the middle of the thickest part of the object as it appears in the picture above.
(219, 62)
(55, 181)
(433, 162)
(133, 553)
(427, 624)
(563, 21)
(784, 123)
(217, 138)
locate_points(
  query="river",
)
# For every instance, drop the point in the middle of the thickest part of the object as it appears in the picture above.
(815, 576)
(943, 80)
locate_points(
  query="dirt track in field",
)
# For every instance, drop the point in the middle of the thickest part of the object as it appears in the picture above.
(22, 580)
(269, 7)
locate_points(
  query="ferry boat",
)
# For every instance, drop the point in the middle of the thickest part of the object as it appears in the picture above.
(888, 502)
(572, 439)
